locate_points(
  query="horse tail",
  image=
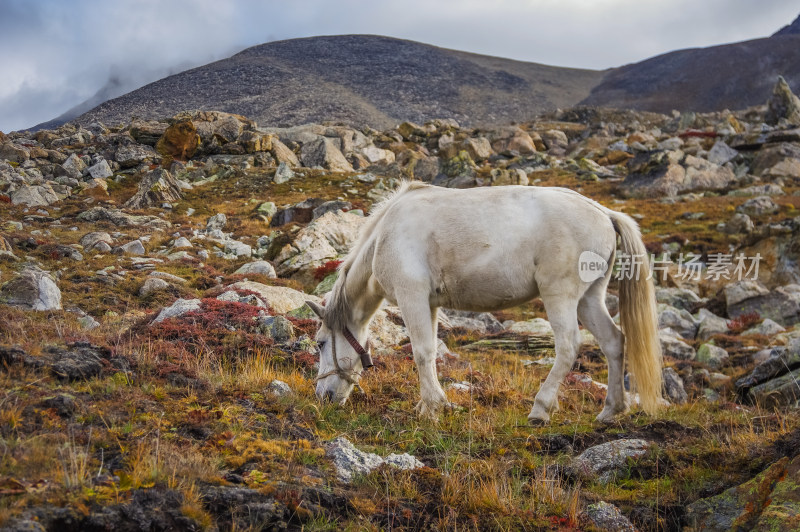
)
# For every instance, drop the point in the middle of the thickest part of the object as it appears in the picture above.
(638, 315)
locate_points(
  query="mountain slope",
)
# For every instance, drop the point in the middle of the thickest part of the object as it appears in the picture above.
(357, 79)
(732, 76)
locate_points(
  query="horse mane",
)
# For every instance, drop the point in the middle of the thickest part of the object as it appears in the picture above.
(338, 307)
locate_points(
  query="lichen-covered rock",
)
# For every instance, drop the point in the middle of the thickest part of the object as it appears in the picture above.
(758, 206)
(134, 155)
(781, 305)
(117, 217)
(672, 345)
(324, 153)
(34, 196)
(773, 382)
(673, 387)
(749, 506)
(259, 267)
(602, 463)
(712, 355)
(280, 299)
(679, 320)
(783, 104)
(606, 516)
(179, 142)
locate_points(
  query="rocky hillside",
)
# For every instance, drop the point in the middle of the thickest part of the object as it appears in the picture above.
(358, 80)
(157, 358)
(731, 76)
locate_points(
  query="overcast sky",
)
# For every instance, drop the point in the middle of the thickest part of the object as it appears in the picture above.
(55, 54)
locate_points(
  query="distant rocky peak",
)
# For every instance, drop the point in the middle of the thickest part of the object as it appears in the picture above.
(791, 29)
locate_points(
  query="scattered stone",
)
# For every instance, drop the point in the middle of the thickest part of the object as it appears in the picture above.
(278, 388)
(32, 289)
(34, 196)
(330, 206)
(672, 345)
(673, 387)
(117, 217)
(758, 206)
(775, 381)
(258, 267)
(679, 320)
(766, 328)
(351, 462)
(134, 247)
(100, 170)
(712, 355)
(74, 166)
(177, 309)
(481, 322)
(739, 223)
(602, 463)
(134, 155)
(216, 222)
(781, 305)
(283, 174)
(278, 328)
(721, 153)
(324, 153)
(152, 285)
(280, 299)
(606, 516)
(537, 326)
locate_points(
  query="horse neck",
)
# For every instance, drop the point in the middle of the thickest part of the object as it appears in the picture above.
(362, 295)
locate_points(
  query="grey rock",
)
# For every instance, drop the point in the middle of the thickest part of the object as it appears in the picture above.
(259, 267)
(679, 320)
(32, 289)
(134, 247)
(758, 206)
(134, 155)
(604, 462)
(781, 305)
(156, 188)
(350, 461)
(100, 170)
(769, 189)
(739, 223)
(674, 346)
(177, 309)
(281, 299)
(278, 388)
(181, 243)
(721, 153)
(238, 249)
(712, 355)
(278, 328)
(283, 174)
(767, 328)
(152, 285)
(90, 241)
(482, 322)
(680, 298)
(673, 387)
(74, 166)
(783, 104)
(324, 153)
(34, 196)
(606, 516)
(117, 217)
(537, 326)
(710, 324)
(216, 222)
(331, 206)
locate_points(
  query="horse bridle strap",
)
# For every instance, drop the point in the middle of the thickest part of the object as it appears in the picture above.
(366, 358)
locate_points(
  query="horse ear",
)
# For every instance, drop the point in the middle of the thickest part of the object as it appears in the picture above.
(318, 309)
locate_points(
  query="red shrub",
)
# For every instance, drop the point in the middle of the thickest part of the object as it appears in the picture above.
(743, 322)
(326, 269)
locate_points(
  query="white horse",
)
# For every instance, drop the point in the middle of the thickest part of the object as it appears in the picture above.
(486, 249)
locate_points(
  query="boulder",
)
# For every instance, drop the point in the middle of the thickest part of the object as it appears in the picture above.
(152, 285)
(281, 299)
(74, 166)
(679, 320)
(603, 463)
(100, 170)
(283, 154)
(278, 328)
(117, 217)
(721, 153)
(768, 501)
(34, 196)
(178, 143)
(680, 298)
(351, 462)
(177, 309)
(147, 131)
(709, 324)
(512, 140)
(765, 328)
(134, 154)
(375, 155)
(774, 382)
(537, 326)
(278, 388)
(739, 223)
(781, 305)
(606, 516)
(324, 153)
(134, 247)
(783, 104)
(478, 149)
(555, 141)
(653, 174)
(258, 267)
(330, 206)
(283, 174)
(758, 206)
(32, 289)
(156, 187)
(14, 152)
(324, 239)
(781, 160)
(481, 322)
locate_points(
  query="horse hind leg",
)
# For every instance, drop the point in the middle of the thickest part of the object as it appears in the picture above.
(594, 316)
(421, 322)
(562, 313)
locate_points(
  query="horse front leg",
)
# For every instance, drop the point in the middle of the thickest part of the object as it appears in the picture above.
(421, 322)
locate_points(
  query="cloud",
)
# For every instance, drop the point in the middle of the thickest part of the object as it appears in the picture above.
(59, 53)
